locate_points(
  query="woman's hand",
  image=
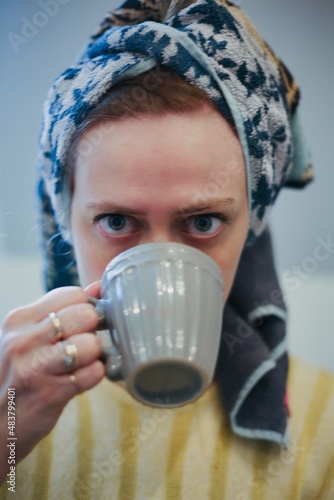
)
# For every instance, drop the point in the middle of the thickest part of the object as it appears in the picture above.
(34, 362)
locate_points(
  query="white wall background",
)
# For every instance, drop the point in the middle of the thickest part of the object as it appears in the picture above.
(35, 48)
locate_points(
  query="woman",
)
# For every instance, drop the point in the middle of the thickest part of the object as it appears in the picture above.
(182, 130)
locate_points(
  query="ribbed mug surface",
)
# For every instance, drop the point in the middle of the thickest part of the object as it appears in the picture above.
(165, 303)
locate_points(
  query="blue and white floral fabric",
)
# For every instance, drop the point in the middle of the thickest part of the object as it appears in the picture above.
(211, 44)
(208, 45)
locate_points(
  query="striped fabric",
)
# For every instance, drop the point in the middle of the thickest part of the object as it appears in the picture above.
(107, 446)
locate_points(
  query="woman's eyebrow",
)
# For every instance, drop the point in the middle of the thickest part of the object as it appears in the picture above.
(207, 205)
(107, 207)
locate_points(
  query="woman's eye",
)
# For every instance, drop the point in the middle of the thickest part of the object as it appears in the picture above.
(205, 224)
(116, 224)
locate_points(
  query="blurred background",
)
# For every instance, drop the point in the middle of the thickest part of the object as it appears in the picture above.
(40, 38)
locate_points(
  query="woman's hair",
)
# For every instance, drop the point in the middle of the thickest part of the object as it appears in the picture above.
(155, 92)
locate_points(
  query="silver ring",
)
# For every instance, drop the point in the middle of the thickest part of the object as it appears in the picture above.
(70, 360)
(57, 325)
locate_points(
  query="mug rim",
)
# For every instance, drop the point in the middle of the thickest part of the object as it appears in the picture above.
(169, 250)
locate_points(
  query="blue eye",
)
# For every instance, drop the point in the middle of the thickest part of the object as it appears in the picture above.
(203, 223)
(206, 224)
(116, 224)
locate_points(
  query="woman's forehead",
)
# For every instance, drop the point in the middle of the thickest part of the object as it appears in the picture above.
(175, 153)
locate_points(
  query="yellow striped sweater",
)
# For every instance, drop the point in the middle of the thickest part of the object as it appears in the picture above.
(108, 446)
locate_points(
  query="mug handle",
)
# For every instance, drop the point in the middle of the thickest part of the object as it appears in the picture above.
(110, 356)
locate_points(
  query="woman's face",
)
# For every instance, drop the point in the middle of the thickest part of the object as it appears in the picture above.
(177, 177)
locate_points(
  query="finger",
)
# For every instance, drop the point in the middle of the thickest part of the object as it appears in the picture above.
(51, 302)
(39, 363)
(94, 290)
(72, 320)
(56, 391)
(79, 318)
(66, 356)
(84, 378)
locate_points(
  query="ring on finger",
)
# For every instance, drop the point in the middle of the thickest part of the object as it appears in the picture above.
(57, 325)
(70, 360)
(73, 379)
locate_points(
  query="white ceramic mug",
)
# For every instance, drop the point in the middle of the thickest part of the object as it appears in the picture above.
(163, 304)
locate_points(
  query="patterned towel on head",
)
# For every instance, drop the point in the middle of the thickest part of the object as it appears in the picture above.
(212, 45)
